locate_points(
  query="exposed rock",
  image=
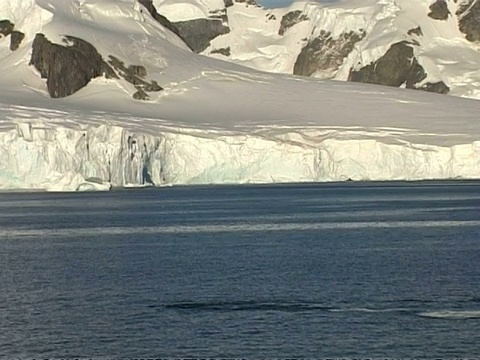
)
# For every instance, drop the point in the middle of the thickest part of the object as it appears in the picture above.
(324, 53)
(438, 87)
(416, 31)
(153, 87)
(131, 74)
(228, 3)
(134, 74)
(469, 19)
(137, 70)
(16, 38)
(220, 14)
(290, 19)
(222, 51)
(140, 94)
(272, 17)
(198, 33)
(134, 80)
(67, 68)
(159, 17)
(396, 68)
(6, 27)
(439, 10)
(116, 63)
(248, 2)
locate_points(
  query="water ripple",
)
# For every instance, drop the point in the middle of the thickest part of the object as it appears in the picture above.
(249, 305)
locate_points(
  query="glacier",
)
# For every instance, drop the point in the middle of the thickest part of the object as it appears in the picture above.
(214, 122)
(108, 150)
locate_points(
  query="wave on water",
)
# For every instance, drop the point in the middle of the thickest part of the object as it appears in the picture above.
(249, 305)
(473, 300)
(452, 315)
(368, 310)
(412, 301)
(227, 227)
(294, 306)
(270, 306)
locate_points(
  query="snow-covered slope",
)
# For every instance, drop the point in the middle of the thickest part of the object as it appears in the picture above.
(437, 40)
(213, 122)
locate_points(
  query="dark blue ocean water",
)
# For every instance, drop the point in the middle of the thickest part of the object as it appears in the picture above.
(331, 270)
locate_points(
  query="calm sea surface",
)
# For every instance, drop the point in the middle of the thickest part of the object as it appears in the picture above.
(332, 270)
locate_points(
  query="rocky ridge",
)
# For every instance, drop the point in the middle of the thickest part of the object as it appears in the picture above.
(343, 43)
(325, 52)
(70, 66)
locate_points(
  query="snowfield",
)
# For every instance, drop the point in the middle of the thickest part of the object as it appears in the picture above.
(214, 122)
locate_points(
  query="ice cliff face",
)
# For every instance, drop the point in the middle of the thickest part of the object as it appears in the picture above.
(63, 159)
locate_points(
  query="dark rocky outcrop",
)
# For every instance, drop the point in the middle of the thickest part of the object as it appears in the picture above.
(67, 68)
(415, 31)
(469, 19)
(228, 3)
(16, 38)
(153, 87)
(140, 94)
(198, 33)
(162, 20)
(220, 14)
(222, 51)
(290, 19)
(438, 87)
(397, 67)
(134, 74)
(324, 53)
(439, 10)
(248, 2)
(137, 70)
(6, 27)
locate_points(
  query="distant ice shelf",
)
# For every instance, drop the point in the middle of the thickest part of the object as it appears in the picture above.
(99, 157)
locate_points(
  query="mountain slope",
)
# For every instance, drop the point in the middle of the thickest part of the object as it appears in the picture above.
(425, 44)
(210, 122)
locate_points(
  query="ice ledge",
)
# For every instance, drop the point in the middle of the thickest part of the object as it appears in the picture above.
(98, 157)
